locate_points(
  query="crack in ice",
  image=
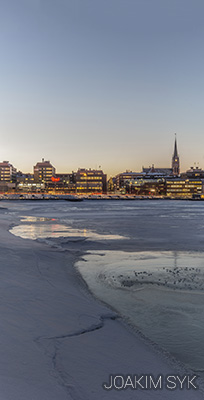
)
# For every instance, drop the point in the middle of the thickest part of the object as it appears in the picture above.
(63, 377)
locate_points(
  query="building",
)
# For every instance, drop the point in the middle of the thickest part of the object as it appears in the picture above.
(193, 172)
(62, 183)
(22, 177)
(175, 160)
(90, 181)
(111, 185)
(7, 172)
(25, 183)
(146, 187)
(121, 178)
(152, 171)
(178, 187)
(43, 171)
(159, 172)
(170, 186)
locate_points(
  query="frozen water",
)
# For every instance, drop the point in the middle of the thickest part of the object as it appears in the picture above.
(153, 275)
(161, 293)
(55, 230)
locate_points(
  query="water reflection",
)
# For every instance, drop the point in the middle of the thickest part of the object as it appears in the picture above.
(36, 219)
(53, 230)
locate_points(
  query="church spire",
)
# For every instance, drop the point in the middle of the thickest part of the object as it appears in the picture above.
(175, 148)
(175, 159)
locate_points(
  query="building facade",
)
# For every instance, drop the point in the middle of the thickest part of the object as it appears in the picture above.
(90, 181)
(43, 171)
(121, 178)
(62, 183)
(193, 172)
(146, 187)
(25, 183)
(179, 187)
(7, 172)
(157, 171)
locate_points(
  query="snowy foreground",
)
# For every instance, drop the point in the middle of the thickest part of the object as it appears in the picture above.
(56, 341)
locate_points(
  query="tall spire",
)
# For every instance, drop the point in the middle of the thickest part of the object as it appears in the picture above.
(175, 148)
(175, 159)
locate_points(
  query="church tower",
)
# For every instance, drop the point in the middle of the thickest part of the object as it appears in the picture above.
(175, 160)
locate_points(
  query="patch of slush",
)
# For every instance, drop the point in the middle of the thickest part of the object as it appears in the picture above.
(54, 230)
(161, 293)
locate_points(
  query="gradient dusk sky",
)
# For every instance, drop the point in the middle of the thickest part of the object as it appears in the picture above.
(101, 82)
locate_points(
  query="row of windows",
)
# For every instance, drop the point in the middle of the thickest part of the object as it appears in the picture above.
(184, 182)
(96, 186)
(44, 175)
(183, 187)
(89, 187)
(83, 178)
(179, 191)
(43, 169)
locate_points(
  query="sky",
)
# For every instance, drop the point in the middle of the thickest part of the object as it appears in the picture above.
(89, 83)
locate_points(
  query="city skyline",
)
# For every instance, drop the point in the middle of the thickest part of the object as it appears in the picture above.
(175, 161)
(101, 83)
(175, 166)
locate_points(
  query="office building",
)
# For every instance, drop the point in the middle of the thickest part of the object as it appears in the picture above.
(90, 181)
(7, 172)
(178, 187)
(43, 171)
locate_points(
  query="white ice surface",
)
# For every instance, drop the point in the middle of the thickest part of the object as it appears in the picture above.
(56, 341)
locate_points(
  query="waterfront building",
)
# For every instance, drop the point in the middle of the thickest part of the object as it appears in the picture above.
(193, 172)
(22, 177)
(43, 171)
(167, 186)
(25, 183)
(152, 171)
(62, 183)
(121, 178)
(7, 172)
(178, 187)
(111, 184)
(90, 181)
(159, 172)
(146, 187)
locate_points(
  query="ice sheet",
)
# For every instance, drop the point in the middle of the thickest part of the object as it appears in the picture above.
(57, 342)
(161, 293)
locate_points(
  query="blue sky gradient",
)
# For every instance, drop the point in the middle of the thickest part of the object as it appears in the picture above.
(101, 82)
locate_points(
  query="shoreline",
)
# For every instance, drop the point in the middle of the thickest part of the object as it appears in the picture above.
(77, 342)
(91, 197)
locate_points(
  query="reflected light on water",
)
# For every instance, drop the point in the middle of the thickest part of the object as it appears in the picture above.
(50, 230)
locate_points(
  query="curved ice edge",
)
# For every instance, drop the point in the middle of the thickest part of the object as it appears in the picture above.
(171, 360)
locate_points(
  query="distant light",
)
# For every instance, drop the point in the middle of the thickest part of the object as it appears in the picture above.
(53, 179)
